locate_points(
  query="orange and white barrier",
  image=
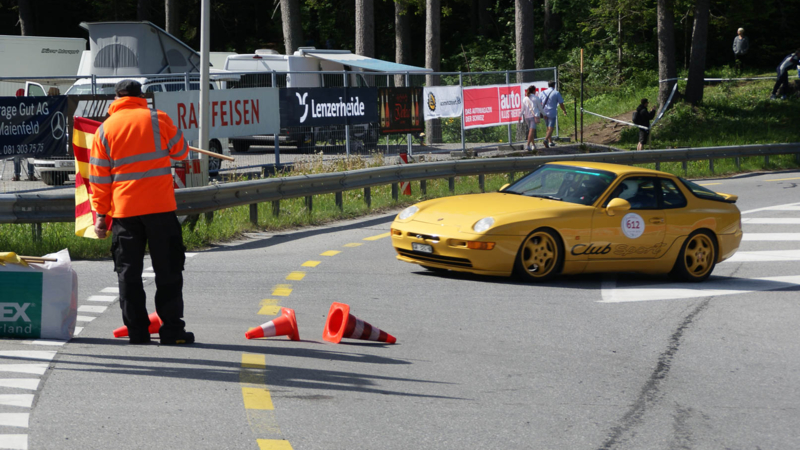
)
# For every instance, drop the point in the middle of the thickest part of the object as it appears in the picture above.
(342, 324)
(285, 325)
(405, 186)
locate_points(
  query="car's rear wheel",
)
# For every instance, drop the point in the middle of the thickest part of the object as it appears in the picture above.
(540, 256)
(697, 258)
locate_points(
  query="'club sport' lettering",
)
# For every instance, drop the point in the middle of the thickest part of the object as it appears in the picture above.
(590, 249)
(625, 250)
(8, 313)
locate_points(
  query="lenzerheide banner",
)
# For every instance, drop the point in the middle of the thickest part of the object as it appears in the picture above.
(319, 107)
(443, 101)
(33, 126)
(401, 110)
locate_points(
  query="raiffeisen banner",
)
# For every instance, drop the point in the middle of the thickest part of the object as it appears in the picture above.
(488, 106)
(319, 107)
(232, 112)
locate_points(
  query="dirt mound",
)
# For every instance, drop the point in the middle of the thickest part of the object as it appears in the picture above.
(606, 132)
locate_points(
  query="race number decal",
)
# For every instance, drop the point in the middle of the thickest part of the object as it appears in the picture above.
(632, 225)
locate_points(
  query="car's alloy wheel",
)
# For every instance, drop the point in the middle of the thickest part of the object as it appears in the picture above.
(540, 256)
(697, 258)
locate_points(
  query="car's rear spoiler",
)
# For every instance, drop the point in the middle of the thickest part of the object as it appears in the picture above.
(730, 198)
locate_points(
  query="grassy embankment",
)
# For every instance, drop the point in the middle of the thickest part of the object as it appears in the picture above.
(731, 114)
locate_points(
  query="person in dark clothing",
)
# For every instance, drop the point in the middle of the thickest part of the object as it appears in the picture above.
(643, 117)
(741, 44)
(783, 74)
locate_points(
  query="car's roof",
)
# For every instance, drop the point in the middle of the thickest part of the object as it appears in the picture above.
(619, 169)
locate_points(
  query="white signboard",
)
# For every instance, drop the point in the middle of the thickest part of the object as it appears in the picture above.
(443, 101)
(232, 112)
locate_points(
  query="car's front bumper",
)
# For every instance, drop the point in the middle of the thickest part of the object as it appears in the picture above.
(450, 248)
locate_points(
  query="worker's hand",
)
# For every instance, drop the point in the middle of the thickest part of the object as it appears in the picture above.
(100, 227)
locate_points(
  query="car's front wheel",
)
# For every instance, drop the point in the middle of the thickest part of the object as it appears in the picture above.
(540, 256)
(697, 258)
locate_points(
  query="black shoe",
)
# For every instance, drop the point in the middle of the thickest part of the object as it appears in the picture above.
(183, 338)
(139, 339)
(553, 144)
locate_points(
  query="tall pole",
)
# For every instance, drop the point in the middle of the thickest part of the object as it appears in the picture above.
(461, 87)
(581, 95)
(205, 44)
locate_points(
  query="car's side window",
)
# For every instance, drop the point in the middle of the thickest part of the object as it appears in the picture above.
(640, 192)
(154, 88)
(671, 195)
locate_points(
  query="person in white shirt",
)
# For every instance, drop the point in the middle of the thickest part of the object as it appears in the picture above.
(531, 112)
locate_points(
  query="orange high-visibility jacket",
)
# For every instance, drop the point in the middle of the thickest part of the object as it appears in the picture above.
(130, 164)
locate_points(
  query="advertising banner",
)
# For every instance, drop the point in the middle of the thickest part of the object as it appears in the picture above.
(487, 106)
(443, 101)
(319, 107)
(233, 112)
(400, 110)
(33, 126)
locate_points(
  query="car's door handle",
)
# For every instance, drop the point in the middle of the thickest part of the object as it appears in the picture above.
(657, 220)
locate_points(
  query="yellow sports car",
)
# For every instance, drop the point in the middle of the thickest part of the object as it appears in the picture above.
(575, 217)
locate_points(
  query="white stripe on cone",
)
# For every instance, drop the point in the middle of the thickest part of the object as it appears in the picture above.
(359, 329)
(269, 329)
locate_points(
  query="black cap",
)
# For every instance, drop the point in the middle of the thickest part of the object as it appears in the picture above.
(128, 88)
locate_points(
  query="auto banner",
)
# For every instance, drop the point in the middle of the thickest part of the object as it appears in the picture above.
(232, 112)
(33, 126)
(443, 101)
(401, 110)
(487, 106)
(319, 107)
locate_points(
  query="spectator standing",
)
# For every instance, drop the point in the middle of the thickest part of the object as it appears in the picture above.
(531, 112)
(643, 117)
(741, 44)
(551, 99)
(782, 82)
(18, 169)
(131, 175)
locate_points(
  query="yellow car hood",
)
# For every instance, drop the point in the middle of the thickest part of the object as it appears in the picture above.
(465, 210)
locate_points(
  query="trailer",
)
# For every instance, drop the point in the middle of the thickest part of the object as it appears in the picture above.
(31, 59)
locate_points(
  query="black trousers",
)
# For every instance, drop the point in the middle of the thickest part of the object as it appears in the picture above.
(162, 232)
(782, 82)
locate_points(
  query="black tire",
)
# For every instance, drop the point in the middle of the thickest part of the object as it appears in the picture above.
(214, 164)
(697, 258)
(540, 257)
(241, 146)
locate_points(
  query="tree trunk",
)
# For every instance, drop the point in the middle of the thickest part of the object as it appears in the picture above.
(666, 49)
(171, 15)
(433, 51)
(548, 8)
(523, 24)
(143, 10)
(402, 38)
(619, 45)
(365, 28)
(697, 62)
(25, 17)
(483, 17)
(292, 27)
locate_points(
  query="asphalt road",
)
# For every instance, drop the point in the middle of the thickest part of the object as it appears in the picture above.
(583, 362)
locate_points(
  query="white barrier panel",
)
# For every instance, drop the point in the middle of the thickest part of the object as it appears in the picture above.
(233, 112)
(443, 101)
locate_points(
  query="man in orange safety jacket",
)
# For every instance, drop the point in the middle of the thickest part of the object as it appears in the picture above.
(131, 177)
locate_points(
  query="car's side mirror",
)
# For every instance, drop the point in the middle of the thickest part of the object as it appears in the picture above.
(617, 204)
(504, 186)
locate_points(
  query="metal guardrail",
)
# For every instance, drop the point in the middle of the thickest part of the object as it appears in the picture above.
(37, 208)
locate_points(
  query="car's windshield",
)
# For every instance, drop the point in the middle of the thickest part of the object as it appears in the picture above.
(566, 183)
(86, 89)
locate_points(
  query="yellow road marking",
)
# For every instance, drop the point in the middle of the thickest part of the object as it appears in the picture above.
(375, 238)
(296, 276)
(311, 263)
(784, 179)
(269, 310)
(353, 244)
(254, 361)
(708, 184)
(330, 253)
(257, 398)
(273, 444)
(282, 290)
(269, 301)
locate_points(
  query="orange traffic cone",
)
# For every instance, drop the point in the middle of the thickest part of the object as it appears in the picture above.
(342, 324)
(285, 325)
(155, 324)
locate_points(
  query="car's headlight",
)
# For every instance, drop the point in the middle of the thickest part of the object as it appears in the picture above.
(408, 212)
(483, 224)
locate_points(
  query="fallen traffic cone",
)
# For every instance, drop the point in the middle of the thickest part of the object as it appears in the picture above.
(155, 324)
(342, 324)
(285, 325)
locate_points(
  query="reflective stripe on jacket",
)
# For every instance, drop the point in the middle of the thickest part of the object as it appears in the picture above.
(130, 170)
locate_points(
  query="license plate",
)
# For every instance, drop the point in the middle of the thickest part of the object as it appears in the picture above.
(64, 163)
(424, 248)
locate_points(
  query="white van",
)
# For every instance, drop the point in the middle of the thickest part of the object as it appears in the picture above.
(43, 57)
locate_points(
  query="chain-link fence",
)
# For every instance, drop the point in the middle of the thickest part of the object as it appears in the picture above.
(253, 153)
